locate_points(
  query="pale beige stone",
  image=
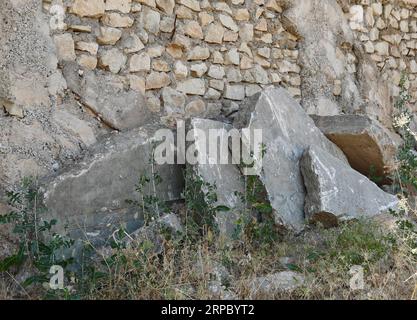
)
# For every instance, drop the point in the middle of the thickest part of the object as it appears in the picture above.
(109, 36)
(166, 5)
(155, 51)
(246, 32)
(157, 80)
(245, 63)
(232, 57)
(228, 22)
(174, 50)
(192, 4)
(199, 53)
(273, 5)
(137, 83)
(242, 15)
(149, 3)
(160, 65)
(151, 20)
(80, 28)
(193, 30)
(192, 86)
(230, 36)
(195, 108)
(65, 47)
(217, 57)
(205, 18)
(90, 47)
(180, 70)
(222, 7)
(140, 62)
(123, 6)
(116, 20)
(88, 8)
(198, 70)
(87, 62)
(215, 33)
(262, 25)
(183, 12)
(216, 71)
(113, 59)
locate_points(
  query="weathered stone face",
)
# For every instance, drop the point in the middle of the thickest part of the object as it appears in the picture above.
(286, 132)
(99, 185)
(226, 177)
(337, 192)
(370, 148)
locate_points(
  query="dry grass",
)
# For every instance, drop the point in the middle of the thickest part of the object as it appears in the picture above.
(323, 256)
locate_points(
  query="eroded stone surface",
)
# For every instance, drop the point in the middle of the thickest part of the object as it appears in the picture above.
(370, 148)
(286, 132)
(337, 192)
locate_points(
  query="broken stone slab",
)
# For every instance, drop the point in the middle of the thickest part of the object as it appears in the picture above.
(99, 185)
(369, 147)
(272, 284)
(286, 132)
(225, 176)
(105, 95)
(336, 192)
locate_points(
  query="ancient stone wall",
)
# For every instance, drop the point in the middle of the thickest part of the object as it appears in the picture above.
(188, 57)
(388, 32)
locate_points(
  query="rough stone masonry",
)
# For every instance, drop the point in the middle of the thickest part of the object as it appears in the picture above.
(74, 71)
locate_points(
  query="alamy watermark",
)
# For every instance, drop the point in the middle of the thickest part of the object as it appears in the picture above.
(213, 146)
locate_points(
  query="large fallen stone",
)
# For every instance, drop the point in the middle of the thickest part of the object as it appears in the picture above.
(226, 177)
(105, 94)
(369, 147)
(287, 131)
(335, 191)
(93, 193)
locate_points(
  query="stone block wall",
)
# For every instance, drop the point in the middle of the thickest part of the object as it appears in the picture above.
(187, 57)
(388, 32)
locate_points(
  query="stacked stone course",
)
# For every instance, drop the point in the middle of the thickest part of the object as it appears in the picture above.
(187, 57)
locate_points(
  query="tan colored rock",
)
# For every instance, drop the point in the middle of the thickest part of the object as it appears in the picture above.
(246, 63)
(180, 70)
(222, 7)
(149, 3)
(80, 28)
(166, 5)
(150, 20)
(193, 30)
(174, 50)
(199, 53)
(192, 86)
(215, 33)
(87, 62)
(242, 15)
(157, 80)
(230, 36)
(90, 47)
(273, 5)
(160, 65)
(116, 20)
(65, 47)
(198, 70)
(217, 57)
(228, 22)
(246, 32)
(113, 59)
(88, 8)
(140, 62)
(109, 36)
(137, 83)
(205, 18)
(232, 57)
(195, 108)
(192, 4)
(262, 25)
(123, 6)
(182, 12)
